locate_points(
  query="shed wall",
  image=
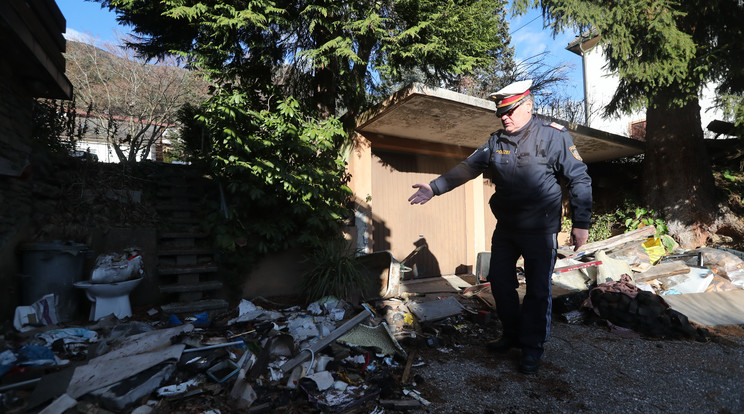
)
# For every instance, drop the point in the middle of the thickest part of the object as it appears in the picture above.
(450, 229)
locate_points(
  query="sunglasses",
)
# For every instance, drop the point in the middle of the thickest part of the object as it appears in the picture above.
(510, 112)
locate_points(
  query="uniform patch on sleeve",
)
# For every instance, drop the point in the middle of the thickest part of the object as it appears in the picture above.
(485, 149)
(557, 126)
(575, 152)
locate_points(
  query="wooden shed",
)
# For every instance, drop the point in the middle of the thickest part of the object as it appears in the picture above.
(414, 136)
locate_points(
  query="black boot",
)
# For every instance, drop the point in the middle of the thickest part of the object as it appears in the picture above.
(529, 364)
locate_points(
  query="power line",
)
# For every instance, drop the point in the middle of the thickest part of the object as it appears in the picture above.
(523, 26)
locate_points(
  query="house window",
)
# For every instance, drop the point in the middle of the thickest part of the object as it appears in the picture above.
(638, 130)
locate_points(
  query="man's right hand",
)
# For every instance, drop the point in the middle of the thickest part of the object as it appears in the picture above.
(422, 195)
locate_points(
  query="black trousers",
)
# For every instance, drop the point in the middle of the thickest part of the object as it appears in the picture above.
(529, 323)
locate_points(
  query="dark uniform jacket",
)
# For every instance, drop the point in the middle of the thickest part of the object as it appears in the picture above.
(525, 167)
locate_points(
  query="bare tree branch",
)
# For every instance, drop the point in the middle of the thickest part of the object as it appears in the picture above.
(132, 101)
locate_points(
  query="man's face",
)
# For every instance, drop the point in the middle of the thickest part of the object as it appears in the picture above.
(518, 117)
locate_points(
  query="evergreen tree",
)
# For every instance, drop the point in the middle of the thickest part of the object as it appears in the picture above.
(665, 52)
(326, 53)
(283, 71)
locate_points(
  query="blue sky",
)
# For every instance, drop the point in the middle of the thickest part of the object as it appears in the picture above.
(528, 36)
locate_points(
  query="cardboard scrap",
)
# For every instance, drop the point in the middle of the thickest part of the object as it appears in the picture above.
(611, 269)
(720, 284)
(574, 275)
(574, 280)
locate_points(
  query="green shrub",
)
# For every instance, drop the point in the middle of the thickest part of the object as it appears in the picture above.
(334, 271)
(627, 218)
(601, 228)
(283, 175)
(634, 217)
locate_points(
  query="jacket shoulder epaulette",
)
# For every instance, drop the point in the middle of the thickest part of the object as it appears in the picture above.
(555, 125)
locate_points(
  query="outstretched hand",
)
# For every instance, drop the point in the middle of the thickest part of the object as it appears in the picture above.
(422, 195)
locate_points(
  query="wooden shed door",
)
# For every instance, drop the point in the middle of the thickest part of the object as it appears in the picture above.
(437, 229)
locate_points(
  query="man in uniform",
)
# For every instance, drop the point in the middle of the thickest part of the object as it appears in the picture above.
(526, 160)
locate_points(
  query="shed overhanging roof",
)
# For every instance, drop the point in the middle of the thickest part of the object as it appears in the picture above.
(437, 115)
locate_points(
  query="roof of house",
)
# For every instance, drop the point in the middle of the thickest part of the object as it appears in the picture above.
(584, 42)
(440, 116)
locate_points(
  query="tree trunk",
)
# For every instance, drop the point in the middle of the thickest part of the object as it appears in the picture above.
(323, 78)
(325, 94)
(678, 178)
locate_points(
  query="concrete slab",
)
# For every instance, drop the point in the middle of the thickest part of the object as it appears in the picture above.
(101, 373)
(710, 308)
(442, 285)
(436, 310)
(437, 115)
(60, 405)
(131, 390)
(145, 342)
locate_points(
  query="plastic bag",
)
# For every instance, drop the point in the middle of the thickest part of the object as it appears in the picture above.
(722, 262)
(117, 267)
(654, 248)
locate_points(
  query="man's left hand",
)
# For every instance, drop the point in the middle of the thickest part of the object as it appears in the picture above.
(579, 238)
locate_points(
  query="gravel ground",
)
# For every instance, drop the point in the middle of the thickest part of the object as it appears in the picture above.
(586, 368)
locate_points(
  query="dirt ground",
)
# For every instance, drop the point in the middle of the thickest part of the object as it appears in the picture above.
(586, 368)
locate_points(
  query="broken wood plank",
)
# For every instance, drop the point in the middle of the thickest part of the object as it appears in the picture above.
(322, 343)
(638, 234)
(676, 267)
(407, 369)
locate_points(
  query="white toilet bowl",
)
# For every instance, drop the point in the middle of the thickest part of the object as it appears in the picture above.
(109, 298)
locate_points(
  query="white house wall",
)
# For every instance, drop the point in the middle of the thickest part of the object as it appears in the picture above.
(600, 86)
(106, 153)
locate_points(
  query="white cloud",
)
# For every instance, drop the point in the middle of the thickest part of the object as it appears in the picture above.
(74, 35)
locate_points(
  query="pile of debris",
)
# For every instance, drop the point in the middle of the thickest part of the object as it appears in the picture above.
(329, 356)
(630, 281)
(334, 356)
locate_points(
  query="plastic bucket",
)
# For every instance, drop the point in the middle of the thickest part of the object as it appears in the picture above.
(53, 267)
